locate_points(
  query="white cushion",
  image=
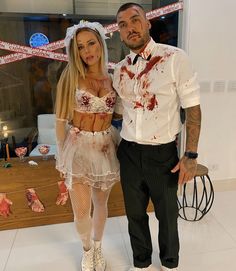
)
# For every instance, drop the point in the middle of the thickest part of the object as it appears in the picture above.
(47, 136)
(46, 121)
(35, 151)
(46, 129)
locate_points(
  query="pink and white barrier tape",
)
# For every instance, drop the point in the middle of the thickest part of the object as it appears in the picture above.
(46, 51)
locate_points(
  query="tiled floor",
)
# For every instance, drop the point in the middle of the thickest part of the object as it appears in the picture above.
(207, 245)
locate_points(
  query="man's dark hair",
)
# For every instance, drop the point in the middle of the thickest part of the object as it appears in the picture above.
(128, 5)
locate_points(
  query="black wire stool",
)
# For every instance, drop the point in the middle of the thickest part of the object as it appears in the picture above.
(194, 205)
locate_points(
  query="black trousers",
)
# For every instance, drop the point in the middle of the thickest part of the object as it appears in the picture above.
(145, 174)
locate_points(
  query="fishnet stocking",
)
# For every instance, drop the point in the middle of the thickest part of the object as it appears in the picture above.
(100, 212)
(80, 196)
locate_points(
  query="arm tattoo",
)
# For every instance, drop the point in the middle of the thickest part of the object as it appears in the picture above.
(193, 126)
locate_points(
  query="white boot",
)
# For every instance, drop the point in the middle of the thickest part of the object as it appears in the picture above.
(149, 268)
(87, 263)
(99, 260)
(163, 268)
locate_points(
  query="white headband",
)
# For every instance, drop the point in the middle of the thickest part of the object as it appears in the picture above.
(71, 31)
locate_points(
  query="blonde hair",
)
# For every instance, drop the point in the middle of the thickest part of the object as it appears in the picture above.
(69, 79)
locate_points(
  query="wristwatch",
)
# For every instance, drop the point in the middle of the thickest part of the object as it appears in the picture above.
(191, 155)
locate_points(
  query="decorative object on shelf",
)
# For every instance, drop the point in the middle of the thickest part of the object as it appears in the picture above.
(33, 163)
(33, 201)
(63, 193)
(5, 132)
(6, 165)
(38, 39)
(196, 201)
(44, 150)
(4, 148)
(21, 152)
(7, 152)
(5, 205)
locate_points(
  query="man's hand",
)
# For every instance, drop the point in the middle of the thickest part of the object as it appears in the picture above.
(187, 169)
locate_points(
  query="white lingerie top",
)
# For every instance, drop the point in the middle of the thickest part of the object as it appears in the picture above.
(87, 102)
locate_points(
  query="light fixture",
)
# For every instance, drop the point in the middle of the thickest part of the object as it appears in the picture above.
(4, 128)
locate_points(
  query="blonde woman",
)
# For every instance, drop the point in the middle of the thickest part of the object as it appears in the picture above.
(87, 149)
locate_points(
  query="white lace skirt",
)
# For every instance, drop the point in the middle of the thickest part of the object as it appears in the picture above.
(90, 158)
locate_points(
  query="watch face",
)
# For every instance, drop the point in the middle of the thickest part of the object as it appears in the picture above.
(38, 39)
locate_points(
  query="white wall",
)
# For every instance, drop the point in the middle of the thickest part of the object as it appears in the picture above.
(105, 7)
(37, 6)
(84, 7)
(210, 40)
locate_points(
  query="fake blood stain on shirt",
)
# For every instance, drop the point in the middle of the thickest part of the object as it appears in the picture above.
(129, 61)
(153, 61)
(152, 103)
(138, 105)
(125, 70)
(146, 84)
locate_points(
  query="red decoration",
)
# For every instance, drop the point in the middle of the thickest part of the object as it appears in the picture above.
(63, 193)
(5, 204)
(33, 201)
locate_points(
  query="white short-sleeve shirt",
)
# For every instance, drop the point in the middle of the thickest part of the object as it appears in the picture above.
(152, 91)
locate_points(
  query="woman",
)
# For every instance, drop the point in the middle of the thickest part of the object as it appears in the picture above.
(87, 148)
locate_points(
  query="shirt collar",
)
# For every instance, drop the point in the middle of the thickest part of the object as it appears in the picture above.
(145, 53)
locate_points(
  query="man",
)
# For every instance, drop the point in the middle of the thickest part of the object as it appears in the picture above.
(153, 81)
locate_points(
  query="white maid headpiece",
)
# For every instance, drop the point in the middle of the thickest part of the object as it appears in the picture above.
(71, 31)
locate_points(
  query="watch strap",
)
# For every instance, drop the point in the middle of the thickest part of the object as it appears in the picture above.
(191, 155)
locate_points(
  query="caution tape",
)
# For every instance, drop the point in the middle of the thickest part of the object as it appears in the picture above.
(26, 51)
(165, 10)
(46, 51)
(19, 56)
(152, 14)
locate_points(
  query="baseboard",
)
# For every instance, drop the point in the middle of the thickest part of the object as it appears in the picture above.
(224, 185)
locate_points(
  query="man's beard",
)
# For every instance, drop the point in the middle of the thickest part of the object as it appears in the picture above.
(138, 45)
